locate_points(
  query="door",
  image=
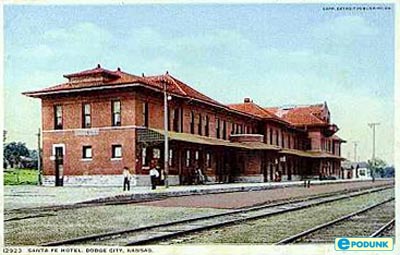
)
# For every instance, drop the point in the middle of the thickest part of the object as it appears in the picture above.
(59, 165)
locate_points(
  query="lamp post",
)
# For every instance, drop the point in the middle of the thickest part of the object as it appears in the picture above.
(165, 136)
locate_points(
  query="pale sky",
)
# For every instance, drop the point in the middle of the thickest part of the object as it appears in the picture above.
(276, 54)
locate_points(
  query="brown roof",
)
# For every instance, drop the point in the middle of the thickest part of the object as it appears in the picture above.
(300, 115)
(178, 87)
(254, 109)
(117, 78)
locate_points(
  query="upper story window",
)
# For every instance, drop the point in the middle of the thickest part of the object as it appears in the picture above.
(289, 141)
(224, 130)
(86, 116)
(217, 128)
(87, 152)
(232, 128)
(283, 140)
(58, 123)
(207, 126)
(145, 113)
(116, 151)
(116, 112)
(176, 120)
(192, 122)
(200, 125)
(277, 137)
(271, 131)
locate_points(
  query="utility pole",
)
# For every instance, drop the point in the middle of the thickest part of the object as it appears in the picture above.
(165, 136)
(355, 150)
(373, 126)
(39, 155)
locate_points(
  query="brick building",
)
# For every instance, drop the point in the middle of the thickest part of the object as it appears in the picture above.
(100, 121)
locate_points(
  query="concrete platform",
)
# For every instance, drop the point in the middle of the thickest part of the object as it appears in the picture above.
(25, 196)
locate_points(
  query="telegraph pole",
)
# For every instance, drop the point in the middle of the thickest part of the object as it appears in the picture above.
(373, 126)
(355, 150)
(39, 159)
(165, 136)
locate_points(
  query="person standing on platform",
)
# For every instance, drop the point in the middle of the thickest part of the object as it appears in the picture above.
(153, 177)
(127, 178)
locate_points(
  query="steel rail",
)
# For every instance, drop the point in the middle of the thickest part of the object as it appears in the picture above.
(383, 228)
(54, 208)
(297, 236)
(116, 234)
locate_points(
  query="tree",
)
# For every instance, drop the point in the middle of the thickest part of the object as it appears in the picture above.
(4, 136)
(13, 152)
(377, 166)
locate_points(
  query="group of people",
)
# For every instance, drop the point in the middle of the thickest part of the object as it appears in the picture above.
(157, 175)
(154, 174)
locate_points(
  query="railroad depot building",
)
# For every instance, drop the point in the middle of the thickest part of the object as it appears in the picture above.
(101, 120)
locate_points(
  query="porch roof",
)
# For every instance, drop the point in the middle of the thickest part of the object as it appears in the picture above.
(310, 154)
(197, 139)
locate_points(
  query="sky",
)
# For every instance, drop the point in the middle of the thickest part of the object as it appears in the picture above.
(276, 54)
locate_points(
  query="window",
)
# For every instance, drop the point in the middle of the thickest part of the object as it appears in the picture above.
(200, 125)
(146, 157)
(283, 140)
(116, 113)
(145, 114)
(170, 157)
(58, 124)
(208, 160)
(87, 120)
(217, 128)
(271, 131)
(116, 151)
(191, 122)
(277, 138)
(196, 155)
(224, 130)
(187, 158)
(176, 120)
(289, 142)
(87, 152)
(233, 128)
(156, 153)
(207, 129)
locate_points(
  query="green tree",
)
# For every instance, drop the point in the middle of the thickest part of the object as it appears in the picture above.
(377, 166)
(13, 152)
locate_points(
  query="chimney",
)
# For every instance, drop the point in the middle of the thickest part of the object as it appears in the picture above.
(119, 69)
(98, 66)
(142, 74)
(247, 100)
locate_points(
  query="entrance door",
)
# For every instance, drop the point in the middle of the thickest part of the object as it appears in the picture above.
(59, 165)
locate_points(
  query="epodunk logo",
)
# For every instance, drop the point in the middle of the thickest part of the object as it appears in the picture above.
(363, 244)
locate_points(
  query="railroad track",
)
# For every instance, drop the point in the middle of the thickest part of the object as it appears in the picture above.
(366, 218)
(153, 233)
(45, 211)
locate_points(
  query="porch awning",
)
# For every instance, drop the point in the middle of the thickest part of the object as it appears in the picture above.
(309, 154)
(157, 135)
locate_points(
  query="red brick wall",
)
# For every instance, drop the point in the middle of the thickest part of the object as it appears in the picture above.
(101, 162)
